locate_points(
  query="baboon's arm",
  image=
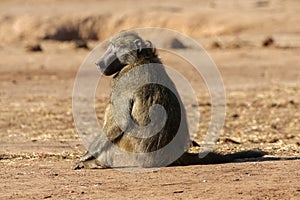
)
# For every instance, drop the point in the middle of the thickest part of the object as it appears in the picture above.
(111, 128)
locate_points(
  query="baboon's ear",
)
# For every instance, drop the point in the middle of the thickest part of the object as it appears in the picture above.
(138, 44)
(149, 44)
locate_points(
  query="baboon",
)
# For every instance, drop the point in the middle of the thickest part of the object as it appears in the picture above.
(145, 120)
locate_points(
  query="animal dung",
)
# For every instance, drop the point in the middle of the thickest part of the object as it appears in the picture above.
(33, 47)
(268, 41)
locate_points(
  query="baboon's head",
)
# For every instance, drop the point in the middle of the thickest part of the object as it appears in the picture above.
(124, 49)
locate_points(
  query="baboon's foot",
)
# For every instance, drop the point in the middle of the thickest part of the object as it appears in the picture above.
(89, 164)
(77, 165)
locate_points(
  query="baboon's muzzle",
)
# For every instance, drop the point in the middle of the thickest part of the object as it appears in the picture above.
(109, 64)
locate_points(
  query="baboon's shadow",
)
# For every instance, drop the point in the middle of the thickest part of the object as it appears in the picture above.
(237, 157)
(262, 159)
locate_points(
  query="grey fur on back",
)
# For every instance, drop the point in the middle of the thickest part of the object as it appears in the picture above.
(143, 85)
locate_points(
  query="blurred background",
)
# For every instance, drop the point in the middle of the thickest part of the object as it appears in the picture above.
(254, 43)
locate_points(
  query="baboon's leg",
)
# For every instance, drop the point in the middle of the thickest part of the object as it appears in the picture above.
(90, 161)
(87, 156)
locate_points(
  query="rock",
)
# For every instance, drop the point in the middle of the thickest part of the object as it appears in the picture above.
(232, 140)
(33, 47)
(268, 41)
(215, 45)
(175, 44)
(81, 44)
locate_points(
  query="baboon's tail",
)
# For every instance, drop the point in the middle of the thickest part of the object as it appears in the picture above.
(216, 158)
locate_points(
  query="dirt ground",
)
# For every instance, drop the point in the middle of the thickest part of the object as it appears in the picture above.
(254, 43)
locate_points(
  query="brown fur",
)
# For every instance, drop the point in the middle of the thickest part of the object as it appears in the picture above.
(138, 106)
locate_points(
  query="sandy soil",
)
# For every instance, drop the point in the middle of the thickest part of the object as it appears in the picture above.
(38, 140)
